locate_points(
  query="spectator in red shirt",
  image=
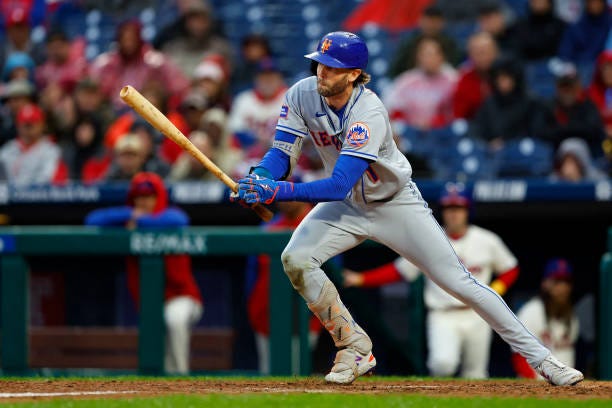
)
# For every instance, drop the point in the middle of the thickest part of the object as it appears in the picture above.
(473, 85)
(65, 65)
(147, 207)
(421, 97)
(136, 63)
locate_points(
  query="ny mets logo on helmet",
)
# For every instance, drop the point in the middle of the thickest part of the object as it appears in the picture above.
(325, 46)
(358, 134)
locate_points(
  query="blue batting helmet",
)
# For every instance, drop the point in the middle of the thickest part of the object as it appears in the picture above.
(341, 49)
(454, 195)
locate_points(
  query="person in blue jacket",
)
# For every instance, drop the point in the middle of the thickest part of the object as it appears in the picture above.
(148, 208)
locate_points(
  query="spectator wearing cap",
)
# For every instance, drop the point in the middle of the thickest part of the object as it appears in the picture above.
(540, 31)
(473, 85)
(551, 317)
(491, 19)
(193, 37)
(456, 335)
(510, 112)
(129, 158)
(253, 49)
(584, 40)
(255, 112)
(151, 139)
(211, 78)
(134, 62)
(15, 95)
(18, 65)
(17, 20)
(573, 113)
(188, 118)
(422, 97)
(32, 158)
(431, 24)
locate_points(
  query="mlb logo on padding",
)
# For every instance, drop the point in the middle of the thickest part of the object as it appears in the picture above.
(358, 134)
(284, 111)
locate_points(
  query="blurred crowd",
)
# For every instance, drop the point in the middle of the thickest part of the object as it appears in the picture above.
(61, 117)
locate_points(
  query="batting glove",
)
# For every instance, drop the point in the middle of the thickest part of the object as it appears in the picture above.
(235, 198)
(254, 189)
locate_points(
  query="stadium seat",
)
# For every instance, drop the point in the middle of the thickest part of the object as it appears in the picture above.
(526, 157)
(540, 79)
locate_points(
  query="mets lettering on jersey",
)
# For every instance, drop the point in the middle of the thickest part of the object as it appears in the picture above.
(358, 134)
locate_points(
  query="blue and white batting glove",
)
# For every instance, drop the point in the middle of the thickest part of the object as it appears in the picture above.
(254, 189)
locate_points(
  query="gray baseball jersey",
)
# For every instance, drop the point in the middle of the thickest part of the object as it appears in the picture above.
(385, 206)
(363, 131)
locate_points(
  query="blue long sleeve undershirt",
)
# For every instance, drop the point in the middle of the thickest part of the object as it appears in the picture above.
(347, 171)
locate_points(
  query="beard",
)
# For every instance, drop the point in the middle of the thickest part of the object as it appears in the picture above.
(333, 89)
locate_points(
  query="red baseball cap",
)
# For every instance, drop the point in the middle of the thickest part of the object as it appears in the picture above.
(16, 16)
(29, 114)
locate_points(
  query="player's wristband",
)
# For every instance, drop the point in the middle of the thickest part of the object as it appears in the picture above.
(261, 172)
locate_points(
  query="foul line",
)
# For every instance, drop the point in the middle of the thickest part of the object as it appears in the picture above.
(60, 394)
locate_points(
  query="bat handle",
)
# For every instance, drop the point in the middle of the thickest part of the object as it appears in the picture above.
(263, 212)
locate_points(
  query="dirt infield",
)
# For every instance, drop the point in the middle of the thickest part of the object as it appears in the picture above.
(32, 390)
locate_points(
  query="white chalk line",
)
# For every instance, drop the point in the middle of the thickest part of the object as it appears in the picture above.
(60, 394)
(348, 388)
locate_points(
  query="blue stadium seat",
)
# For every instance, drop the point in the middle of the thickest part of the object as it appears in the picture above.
(526, 157)
(540, 80)
(416, 141)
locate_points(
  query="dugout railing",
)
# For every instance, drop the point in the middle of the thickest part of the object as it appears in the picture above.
(18, 243)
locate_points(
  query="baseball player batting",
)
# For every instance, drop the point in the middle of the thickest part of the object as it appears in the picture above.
(368, 194)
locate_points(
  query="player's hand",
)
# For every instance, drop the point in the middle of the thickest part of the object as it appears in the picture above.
(352, 278)
(254, 189)
(234, 197)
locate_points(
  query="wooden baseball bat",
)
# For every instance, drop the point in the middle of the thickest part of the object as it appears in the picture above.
(160, 122)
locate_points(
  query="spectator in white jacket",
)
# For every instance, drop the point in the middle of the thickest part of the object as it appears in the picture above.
(31, 158)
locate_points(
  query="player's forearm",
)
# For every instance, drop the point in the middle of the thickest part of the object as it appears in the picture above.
(503, 282)
(347, 172)
(116, 216)
(380, 276)
(276, 164)
(171, 217)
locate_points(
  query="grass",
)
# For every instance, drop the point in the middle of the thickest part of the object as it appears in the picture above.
(312, 400)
